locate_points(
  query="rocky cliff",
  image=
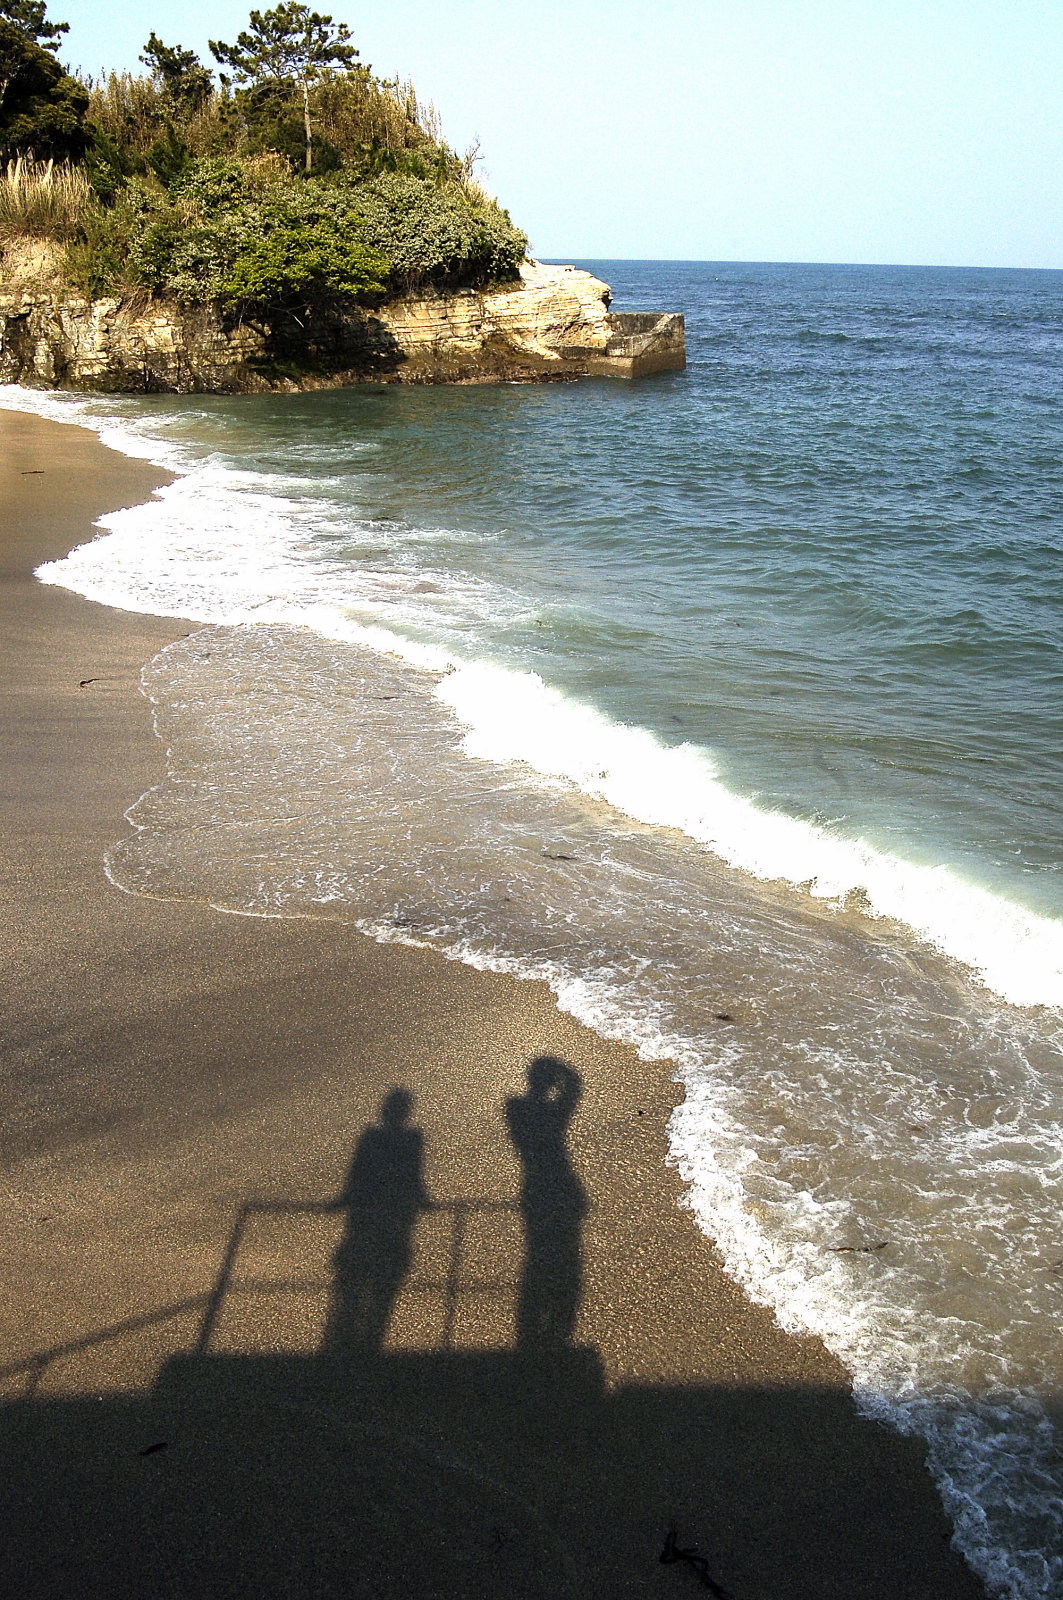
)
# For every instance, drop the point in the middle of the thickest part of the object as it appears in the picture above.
(554, 324)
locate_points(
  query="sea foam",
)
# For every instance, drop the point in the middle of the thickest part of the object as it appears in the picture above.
(228, 546)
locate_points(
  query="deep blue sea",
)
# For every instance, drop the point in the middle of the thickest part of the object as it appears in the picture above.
(732, 693)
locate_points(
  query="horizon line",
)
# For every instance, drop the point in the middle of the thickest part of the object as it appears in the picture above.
(751, 261)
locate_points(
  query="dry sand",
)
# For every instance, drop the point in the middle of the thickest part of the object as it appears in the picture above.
(191, 1412)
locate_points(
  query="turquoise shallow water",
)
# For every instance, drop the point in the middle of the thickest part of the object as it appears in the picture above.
(731, 691)
(830, 551)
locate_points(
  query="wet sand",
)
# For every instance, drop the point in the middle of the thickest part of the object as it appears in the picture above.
(265, 1331)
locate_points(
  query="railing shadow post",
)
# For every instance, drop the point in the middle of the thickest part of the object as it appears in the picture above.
(451, 1287)
(457, 1242)
(221, 1284)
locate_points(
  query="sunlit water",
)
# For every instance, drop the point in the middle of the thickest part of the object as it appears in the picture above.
(728, 703)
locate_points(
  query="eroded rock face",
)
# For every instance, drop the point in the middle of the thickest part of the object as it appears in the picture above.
(553, 309)
(66, 342)
(554, 324)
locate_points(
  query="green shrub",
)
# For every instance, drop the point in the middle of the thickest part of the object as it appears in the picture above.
(249, 236)
(97, 262)
(222, 183)
(434, 235)
(295, 260)
(99, 259)
(169, 158)
(109, 165)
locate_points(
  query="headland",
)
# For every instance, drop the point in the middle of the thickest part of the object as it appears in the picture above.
(298, 226)
(551, 324)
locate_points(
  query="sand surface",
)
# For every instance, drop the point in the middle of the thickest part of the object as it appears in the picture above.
(259, 1339)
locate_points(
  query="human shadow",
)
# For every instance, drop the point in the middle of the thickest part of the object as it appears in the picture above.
(382, 1196)
(457, 1470)
(553, 1203)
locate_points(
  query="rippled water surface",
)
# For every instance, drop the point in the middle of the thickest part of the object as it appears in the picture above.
(728, 702)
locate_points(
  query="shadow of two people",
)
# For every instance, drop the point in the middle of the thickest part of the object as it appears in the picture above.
(458, 1474)
(384, 1194)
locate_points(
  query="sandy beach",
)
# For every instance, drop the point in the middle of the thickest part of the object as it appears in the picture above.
(315, 1284)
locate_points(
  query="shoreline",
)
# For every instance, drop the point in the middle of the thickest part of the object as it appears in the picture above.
(167, 1064)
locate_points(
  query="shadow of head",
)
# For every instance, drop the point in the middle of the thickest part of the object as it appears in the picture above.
(553, 1080)
(538, 1119)
(395, 1108)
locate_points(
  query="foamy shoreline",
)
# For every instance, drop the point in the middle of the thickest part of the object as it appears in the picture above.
(1015, 952)
(208, 985)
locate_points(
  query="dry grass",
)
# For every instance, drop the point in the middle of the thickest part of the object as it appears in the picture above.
(42, 201)
(266, 171)
(357, 109)
(126, 109)
(474, 189)
(134, 113)
(350, 110)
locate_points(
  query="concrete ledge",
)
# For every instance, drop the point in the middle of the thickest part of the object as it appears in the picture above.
(638, 343)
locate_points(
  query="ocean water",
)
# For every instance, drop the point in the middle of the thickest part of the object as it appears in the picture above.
(729, 703)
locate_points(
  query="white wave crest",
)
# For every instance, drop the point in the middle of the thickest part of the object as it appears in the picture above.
(219, 545)
(516, 717)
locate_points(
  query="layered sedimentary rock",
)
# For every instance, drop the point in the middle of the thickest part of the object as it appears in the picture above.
(554, 324)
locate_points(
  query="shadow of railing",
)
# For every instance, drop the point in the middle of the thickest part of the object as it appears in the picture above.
(35, 1366)
(461, 1472)
(450, 1285)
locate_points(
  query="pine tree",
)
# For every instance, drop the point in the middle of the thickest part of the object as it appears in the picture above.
(42, 108)
(288, 44)
(180, 74)
(30, 18)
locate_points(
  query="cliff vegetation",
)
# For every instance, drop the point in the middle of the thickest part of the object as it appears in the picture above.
(284, 178)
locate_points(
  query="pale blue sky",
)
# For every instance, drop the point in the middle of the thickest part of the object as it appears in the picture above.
(767, 130)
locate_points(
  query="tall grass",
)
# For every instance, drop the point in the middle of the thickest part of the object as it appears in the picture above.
(351, 111)
(355, 110)
(134, 112)
(130, 110)
(42, 200)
